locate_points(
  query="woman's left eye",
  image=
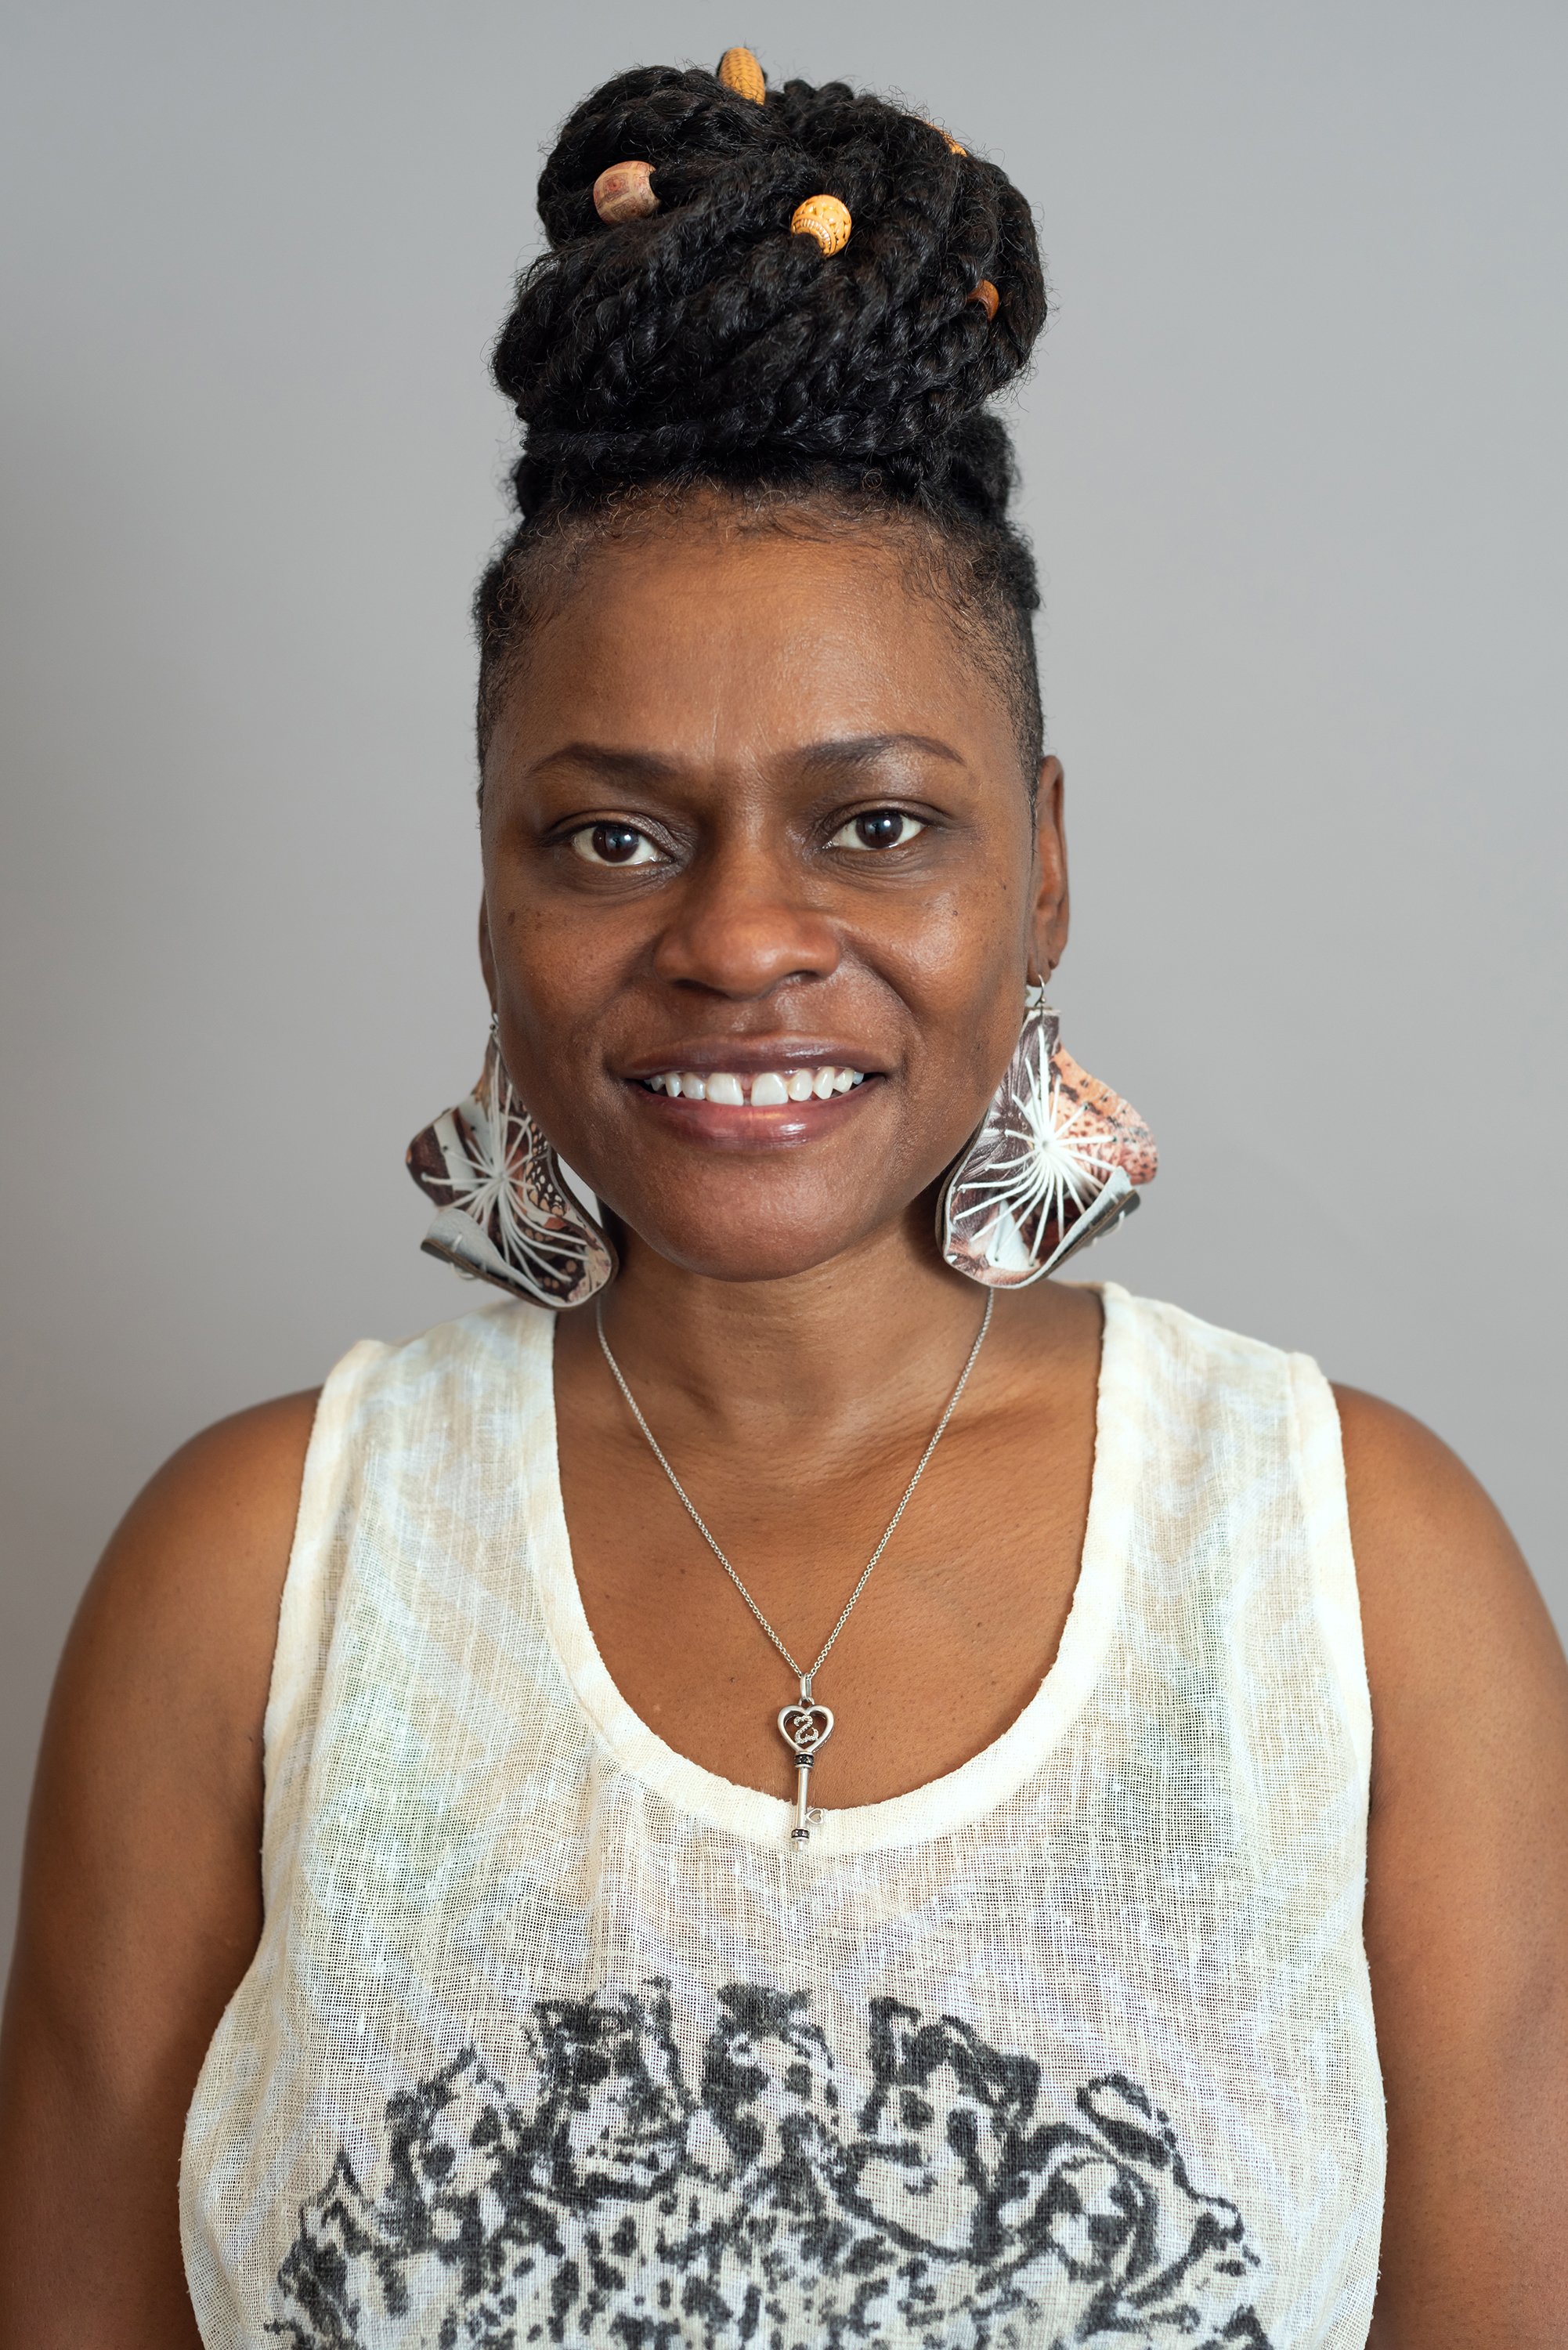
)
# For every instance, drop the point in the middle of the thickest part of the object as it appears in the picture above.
(613, 843)
(877, 829)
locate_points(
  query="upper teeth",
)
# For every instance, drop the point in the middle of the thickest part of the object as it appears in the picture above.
(764, 1091)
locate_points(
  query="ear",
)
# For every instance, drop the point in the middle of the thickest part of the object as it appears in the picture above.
(486, 953)
(1051, 901)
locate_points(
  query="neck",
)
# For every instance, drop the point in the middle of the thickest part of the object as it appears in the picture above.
(840, 1345)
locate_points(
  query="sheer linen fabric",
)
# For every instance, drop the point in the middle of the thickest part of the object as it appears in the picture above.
(553, 2036)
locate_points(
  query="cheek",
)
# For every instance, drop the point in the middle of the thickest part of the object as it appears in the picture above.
(932, 980)
(554, 966)
(556, 990)
(961, 974)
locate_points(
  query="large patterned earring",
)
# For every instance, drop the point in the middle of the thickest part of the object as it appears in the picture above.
(505, 1213)
(1054, 1165)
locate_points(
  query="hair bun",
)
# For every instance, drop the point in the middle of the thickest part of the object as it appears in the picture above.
(706, 339)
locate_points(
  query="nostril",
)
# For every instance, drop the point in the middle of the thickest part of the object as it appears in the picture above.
(744, 949)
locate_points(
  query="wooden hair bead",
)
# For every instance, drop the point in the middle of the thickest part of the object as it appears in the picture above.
(623, 193)
(953, 146)
(986, 295)
(739, 71)
(824, 218)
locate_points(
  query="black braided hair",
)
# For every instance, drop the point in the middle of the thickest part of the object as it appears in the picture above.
(707, 345)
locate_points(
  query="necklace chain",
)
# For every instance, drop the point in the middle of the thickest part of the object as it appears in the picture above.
(806, 1676)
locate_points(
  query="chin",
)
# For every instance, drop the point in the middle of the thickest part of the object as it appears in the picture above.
(719, 1254)
(743, 1196)
(731, 1239)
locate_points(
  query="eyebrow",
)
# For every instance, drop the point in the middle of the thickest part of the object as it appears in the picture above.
(851, 749)
(860, 749)
(635, 766)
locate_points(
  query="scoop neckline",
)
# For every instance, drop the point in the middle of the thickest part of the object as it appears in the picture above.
(955, 1798)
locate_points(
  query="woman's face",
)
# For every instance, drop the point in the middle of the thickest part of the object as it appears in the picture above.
(752, 811)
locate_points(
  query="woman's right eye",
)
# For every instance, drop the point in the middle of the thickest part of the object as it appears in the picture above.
(613, 844)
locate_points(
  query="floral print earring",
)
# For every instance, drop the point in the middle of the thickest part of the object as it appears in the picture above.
(505, 1213)
(1055, 1164)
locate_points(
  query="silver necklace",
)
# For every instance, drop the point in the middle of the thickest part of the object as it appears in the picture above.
(804, 1725)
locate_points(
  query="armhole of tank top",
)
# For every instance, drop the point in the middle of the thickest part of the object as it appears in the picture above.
(1330, 1555)
(299, 1653)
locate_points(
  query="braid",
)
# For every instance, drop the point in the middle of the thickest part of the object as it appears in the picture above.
(706, 345)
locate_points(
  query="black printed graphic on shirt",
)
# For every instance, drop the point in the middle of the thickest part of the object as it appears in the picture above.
(611, 2198)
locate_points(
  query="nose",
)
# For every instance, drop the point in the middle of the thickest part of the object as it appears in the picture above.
(742, 927)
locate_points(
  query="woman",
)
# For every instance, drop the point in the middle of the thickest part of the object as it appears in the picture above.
(488, 1820)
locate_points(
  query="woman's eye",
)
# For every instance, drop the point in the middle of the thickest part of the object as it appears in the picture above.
(877, 829)
(613, 843)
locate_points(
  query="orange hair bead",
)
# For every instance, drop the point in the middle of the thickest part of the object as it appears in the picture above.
(952, 144)
(623, 193)
(824, 218)
(986, 295)
(739, 71)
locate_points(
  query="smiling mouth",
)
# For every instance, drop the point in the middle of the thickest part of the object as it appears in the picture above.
(763, 1089)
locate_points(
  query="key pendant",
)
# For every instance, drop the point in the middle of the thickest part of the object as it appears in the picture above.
(804, 1727)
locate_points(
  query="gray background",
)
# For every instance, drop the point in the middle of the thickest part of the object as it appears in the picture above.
(1294, 458)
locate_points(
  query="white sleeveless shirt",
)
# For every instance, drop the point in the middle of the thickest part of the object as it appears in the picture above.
(554, 2036)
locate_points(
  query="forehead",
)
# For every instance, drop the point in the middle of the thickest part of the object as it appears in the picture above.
(714, 643)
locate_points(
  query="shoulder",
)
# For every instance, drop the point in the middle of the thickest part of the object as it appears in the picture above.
(1458, 1645)
(204, 1547)
(141, 1901)
(189, 1588)
(1448, 1606)
(1467, 1892)
(153, 1738)
(1212, 1395)
(1202, 1358)
(171, 1646)
(154, 1730)
(243, 1472)
(1469, 1688)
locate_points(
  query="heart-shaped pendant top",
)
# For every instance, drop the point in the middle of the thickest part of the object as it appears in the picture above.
(805, 1727)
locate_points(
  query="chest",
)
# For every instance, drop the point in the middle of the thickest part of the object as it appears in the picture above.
(550, 2034)
(946, 1644)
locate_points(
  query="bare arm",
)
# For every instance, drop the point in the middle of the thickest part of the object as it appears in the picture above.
(1467, 1914)
(142, 1893)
